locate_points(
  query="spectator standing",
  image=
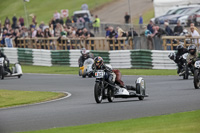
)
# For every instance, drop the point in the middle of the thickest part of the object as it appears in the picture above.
(195, 28)
(107, 32)
(127, 18)
(178, 29)
(58, 30)
(51, 30)
(96, 24)
(68, 21)
(57, 16)
(141, 21)
(168, 30)
(33, 33)
(41, 25)
(14, 19)
(80, 23)
(149, 36)
(7, 21)
(113, 35)
(21, 20)
(120, 32)
(61, 21)
(150, 26)
(194, 33)
(39, 33)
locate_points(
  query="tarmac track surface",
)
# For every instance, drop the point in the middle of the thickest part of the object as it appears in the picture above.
(167, 94)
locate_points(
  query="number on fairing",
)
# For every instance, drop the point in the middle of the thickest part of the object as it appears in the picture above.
(99, 74)
(197, 64)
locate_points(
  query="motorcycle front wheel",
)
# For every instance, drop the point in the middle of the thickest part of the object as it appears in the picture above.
(186, 74)
(98, 93)
(196, 79)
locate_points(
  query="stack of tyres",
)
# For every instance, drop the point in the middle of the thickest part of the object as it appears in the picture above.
(141, 59)
(60, 57)
(25, 56)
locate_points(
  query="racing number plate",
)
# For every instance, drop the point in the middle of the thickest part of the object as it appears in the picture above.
(99, 74)
(197, 64)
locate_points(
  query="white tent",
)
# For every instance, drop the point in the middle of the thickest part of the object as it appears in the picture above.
(162, 6)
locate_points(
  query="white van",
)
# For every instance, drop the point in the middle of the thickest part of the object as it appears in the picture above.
(82, 13)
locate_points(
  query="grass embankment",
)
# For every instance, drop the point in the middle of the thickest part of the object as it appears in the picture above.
(43, 9)
(187, 122)
(147, 16)
(74, 70)
(10, 98)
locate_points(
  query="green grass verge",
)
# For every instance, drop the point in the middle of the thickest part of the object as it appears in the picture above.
(74, 70)
(146, 17)
(43, 9)
(187, 122)
(10, 98)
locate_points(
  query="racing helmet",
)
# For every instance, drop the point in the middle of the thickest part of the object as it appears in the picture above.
(180, 48)
(192, 49)
(84, 52)
(98, 61)
(172, 56)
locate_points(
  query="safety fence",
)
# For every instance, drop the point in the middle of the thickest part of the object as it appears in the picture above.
(136, 59)
(61, 43)
(170, 42)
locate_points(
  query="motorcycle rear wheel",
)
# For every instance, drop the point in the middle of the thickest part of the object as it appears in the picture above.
(98, 95)
(196, 79)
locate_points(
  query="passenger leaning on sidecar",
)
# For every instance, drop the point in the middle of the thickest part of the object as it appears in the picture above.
(192, 56)
(6, 66)
(112, 76)
(180, 61)
(84, 56)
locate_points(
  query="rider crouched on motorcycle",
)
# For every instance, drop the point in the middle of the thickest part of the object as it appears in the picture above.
(112, 76)
(178, 59)
(84, 56)
(192, 56)
(6, 66)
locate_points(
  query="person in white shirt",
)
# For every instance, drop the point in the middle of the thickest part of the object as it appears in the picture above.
(57, 16)
(194, 33)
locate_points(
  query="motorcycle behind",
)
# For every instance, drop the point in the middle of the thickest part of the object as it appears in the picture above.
(86, 69)
(4, 70)
(197, 74)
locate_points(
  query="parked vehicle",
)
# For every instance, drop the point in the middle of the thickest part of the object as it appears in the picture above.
(194, 18)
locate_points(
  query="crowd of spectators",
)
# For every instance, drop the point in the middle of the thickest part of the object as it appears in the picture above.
(71, 27)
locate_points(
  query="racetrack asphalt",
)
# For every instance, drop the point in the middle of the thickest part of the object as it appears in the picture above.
(167, 94)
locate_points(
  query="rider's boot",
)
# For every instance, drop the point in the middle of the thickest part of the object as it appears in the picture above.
(129, 87)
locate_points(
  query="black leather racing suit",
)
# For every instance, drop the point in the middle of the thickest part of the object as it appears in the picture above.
(180, 61)
(6, 67)
(82, 59)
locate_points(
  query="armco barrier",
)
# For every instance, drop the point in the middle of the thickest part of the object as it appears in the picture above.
(137, 59)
